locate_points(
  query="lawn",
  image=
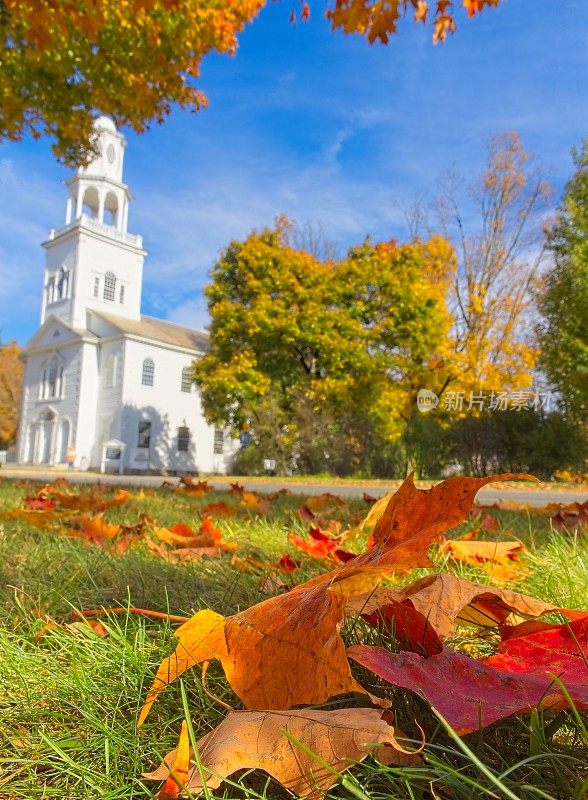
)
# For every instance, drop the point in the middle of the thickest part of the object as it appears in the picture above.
(70, 698)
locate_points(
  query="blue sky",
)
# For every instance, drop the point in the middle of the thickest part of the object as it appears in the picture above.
(317, 125)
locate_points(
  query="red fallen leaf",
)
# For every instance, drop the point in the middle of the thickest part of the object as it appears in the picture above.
(287, 564)
(343, 556)
(412, 629)
(220, 509)
(320, 545)
(369, 498)
(556, 649)
(305, 514)
(236, 488)
(39, 503)
(489, 523)
(182, 530)
(468, 693)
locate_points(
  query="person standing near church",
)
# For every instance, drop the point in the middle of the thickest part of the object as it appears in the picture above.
(70, 457)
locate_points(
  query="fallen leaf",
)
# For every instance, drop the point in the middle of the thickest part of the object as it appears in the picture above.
(287, 650)
(268, 740)
(287, 564)
(195, 489)
(468, 693)
(179, 769)
(501, 560)
(445, 599)
(220, 509)
(557, 649)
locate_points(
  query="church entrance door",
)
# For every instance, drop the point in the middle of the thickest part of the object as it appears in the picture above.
(46, 444)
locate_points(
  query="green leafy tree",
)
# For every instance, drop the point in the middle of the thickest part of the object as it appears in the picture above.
(346, 342)
(563, 303)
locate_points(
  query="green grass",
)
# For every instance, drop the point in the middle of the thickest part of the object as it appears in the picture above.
(69, 701)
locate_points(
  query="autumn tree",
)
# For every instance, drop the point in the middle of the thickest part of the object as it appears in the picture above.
(63, 62)
(563, 300)
(11, 376)
(349, 341)
(500, 246)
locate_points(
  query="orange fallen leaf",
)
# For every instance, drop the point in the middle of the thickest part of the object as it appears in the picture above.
(268, 740)
(287, 650)
(220, 509)
(445, 599)
(179, 768)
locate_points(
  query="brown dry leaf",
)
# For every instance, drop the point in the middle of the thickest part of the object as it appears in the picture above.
(37, 519)
(260, 740)
(446, 599)
(287, 651)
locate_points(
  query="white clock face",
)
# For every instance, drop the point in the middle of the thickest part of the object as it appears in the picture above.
(110, 153)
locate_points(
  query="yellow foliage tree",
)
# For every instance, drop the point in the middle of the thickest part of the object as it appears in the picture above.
(11, 375)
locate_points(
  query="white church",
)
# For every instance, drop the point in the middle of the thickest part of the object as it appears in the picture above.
(102, 381)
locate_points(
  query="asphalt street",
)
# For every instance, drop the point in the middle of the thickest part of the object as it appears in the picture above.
(486, 496)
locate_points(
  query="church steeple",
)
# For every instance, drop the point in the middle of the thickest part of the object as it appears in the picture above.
(97, 190)
(92, 262)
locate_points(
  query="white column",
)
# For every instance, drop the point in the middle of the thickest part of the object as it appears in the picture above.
(68, 210)
(125, 215)
(101, 206)
(79, 201)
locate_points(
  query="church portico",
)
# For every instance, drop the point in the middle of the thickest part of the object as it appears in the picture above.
(97, 370)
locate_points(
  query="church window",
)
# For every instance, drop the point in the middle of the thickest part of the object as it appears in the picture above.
(110, 372)
(183, 439)
(109, 286)
(187, 379)
(62, 283)
(219, 441)
(144, 437)
(52, 380)
(121, 294)
(148, 372)
(96, 286)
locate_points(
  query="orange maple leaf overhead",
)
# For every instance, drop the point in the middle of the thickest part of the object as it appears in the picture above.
(267, 648)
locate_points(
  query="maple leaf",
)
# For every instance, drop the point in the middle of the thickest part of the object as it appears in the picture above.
(468, 693)
(195, 489)
(179, 769)
(499, 559)
(219, 509)
(287, 564)
(444, 599)
(555, 649)
(266, 649)
(268, 740)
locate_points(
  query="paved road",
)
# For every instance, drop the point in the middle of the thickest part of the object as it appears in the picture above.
(486, 496)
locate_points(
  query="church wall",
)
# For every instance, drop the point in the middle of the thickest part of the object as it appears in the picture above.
(109, 397)
(96, 257)
(87, 405)
(167, 408)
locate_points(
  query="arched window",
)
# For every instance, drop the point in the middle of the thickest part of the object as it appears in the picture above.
(52, 380)
(109, 286)
(111, 209)
(62, 283)
(90, 203)
(148, 372)
(187, 379)
(50, 290)
(110, 372)
(183, 439)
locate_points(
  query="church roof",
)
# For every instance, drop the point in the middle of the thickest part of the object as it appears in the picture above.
(159, 330)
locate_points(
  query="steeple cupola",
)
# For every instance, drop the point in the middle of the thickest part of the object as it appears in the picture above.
(93, 263)
(97, 191)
